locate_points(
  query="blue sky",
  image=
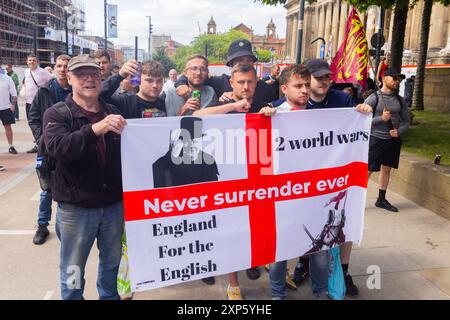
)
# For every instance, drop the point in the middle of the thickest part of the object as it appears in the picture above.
(180, 18)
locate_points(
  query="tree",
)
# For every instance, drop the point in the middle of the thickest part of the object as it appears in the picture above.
(423, 50)
(180, 57)
(161, 56)
(214, 46)
(264, 56)
(401, 14)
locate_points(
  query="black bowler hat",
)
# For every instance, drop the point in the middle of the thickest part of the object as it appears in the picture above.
(393, 73)
(192, 125)
(318, 67)
(240, 48)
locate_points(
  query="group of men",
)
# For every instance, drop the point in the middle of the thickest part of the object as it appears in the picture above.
(78, 117)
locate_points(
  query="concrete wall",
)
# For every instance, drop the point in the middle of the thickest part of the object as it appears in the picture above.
(436, 91)
(422, 182)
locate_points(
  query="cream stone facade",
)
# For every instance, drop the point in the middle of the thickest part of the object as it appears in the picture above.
(328, 18)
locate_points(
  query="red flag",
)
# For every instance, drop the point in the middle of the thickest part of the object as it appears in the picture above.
(337, 199)
(350, 63)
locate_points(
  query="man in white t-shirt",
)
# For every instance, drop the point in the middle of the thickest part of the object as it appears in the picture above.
(34, 78)
(7, 90)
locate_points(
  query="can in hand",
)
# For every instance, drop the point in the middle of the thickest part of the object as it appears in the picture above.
(136, 80)
(196, 94)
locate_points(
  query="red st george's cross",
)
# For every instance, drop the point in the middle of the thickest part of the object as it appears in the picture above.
(260, 175)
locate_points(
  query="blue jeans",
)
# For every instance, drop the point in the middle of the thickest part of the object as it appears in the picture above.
(77, 228)
(45, 209)
(277, 276)
(318, 272)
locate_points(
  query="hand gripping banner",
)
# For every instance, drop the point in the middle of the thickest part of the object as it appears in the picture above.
(212, 195)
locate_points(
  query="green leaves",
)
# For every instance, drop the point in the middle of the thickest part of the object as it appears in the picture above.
(215, 45)
(161, 56)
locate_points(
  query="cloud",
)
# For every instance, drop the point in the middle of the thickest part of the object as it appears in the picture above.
(181, 18)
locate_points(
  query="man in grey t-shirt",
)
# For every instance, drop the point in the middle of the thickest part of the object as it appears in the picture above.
(196, 72)
(390, 122)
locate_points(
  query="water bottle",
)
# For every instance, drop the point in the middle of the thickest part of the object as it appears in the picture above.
(136, 80)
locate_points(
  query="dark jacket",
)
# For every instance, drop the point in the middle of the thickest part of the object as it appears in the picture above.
(409, 89)
(80, 178)
(44, 99)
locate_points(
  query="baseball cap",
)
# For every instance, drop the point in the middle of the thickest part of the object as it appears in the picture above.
(82, 60)
(391, 72)
(240, 48)
(318, 67)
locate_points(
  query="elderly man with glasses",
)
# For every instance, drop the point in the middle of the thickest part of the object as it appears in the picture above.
(82, 135)
(196, 72)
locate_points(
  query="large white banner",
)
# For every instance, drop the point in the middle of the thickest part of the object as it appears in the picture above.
(212, 195)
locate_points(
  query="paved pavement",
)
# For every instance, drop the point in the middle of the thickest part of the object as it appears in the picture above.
(410, 248)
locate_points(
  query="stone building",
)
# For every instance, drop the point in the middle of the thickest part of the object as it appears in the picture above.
(328, 18)
(212, 26)
(270, 41)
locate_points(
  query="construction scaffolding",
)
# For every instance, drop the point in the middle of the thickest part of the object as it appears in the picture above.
(50, 14)
(17, 23)
(39, 26)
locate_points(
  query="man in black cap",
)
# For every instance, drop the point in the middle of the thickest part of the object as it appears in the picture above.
(390, 122)
(240, 51)
(185, 162)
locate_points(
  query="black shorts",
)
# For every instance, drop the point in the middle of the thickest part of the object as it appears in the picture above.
(384, 152)
(7, 116)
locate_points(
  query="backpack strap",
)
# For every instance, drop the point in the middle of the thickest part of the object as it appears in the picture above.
(376, 102)
(397, 96)
(64, 111)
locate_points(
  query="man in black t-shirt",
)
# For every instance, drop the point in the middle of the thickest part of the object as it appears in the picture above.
(144, 104)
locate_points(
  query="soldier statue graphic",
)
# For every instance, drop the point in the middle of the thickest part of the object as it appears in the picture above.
(332, 233)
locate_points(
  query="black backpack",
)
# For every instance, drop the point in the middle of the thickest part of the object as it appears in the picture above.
(45, 164)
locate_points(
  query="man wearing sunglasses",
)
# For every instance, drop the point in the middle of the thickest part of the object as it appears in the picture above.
(390, 121)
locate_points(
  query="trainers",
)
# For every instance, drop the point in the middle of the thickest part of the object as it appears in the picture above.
(12, 150)
(322, 296)
(209, 280)
(290, 284)
(350, 289)
(127, 296)
(41, 235)
(278, 298)
(253, 273)
(2, 168)
(300, 274)
(384, 204)
(234, 293)
(33, 150)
